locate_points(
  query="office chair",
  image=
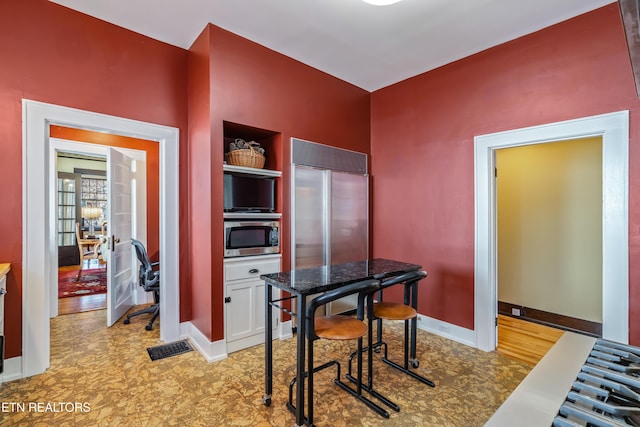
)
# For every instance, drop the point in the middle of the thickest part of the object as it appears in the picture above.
(149, 279)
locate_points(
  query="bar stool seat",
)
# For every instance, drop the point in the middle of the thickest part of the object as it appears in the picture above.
(340, 327)
(393, 311)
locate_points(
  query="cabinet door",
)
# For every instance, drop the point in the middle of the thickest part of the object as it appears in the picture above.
(245, 310)
(241, 310)
(259, 304)
(244, 300)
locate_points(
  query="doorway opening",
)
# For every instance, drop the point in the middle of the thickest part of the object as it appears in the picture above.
(39, 237)
(89, 195)
(549, 233)
(613, 128)
(81, 213)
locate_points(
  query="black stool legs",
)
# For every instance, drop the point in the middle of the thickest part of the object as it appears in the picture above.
(406, 312)
(337, 328)
(368, 387)
(410, 298)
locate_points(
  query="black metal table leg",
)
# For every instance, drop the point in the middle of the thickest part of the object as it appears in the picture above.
(414, 322)
(268, 346)
(300, 359)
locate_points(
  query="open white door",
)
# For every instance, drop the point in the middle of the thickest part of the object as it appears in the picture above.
(119, 224)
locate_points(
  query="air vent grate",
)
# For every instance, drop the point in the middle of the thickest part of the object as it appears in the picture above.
(168, 350)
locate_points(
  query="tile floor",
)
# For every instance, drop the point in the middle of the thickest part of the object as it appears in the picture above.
(108, 372)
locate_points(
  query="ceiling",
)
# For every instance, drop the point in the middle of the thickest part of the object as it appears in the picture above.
(368, 46)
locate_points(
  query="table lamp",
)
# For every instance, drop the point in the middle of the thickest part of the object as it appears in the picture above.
(91, 213)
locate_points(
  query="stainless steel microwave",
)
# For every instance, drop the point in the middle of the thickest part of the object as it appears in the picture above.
(251, 237)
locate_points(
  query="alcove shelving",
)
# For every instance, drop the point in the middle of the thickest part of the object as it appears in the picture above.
(242, 170)
(243, 288)
(271, 141)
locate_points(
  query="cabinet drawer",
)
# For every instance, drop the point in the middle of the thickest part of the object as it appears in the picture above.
(238, 270)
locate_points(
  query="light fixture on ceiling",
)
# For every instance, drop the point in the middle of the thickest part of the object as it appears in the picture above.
(381, 2)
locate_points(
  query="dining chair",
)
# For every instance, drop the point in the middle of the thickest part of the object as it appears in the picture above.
(88, 248)
(338, 327)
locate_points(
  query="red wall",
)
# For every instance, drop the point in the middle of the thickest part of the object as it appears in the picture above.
(422, 145)
(153, 172)
(52, 54)
(200, 194)
(421, 133)
(255, 86)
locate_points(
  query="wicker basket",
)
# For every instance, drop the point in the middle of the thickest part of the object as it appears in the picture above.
(246, 157)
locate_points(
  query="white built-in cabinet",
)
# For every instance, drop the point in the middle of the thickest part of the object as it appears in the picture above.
(245, 300)
(243, 289)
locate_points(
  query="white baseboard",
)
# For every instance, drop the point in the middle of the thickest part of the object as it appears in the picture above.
(215, 351)
(211, 351)
(12, 369)
(447, 330)
(285, 330)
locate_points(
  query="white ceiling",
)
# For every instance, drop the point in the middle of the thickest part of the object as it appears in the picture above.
(368, 46)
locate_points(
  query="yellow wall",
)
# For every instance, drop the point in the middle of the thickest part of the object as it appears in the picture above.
(550, 227)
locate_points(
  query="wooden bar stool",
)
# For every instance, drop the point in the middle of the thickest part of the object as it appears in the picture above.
(407, 312)
(338, 327)
(383, 310)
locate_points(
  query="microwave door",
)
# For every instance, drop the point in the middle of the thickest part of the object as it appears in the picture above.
(251, 238)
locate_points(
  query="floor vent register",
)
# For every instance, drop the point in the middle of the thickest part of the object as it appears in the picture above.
(168, 350)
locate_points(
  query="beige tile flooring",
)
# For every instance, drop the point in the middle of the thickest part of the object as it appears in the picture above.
(109, 371)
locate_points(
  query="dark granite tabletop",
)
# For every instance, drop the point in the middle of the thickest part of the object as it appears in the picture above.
(321, 279)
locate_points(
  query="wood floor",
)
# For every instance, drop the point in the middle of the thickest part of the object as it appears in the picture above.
(82, 303)
(525, 341)
(79, 304)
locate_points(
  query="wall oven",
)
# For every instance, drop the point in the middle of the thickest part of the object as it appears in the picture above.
(251, 237)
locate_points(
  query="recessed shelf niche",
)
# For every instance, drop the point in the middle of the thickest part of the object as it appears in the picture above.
(271, 141)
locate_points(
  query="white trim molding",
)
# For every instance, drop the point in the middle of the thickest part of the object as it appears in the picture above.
(12, 369)
(211, 351)
(38, 248)
(447, 330)
(613, 128)
(219, 350)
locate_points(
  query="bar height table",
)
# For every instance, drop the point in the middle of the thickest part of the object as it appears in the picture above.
(302, 283)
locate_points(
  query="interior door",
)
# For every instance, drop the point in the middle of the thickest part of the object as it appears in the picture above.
(119, 224)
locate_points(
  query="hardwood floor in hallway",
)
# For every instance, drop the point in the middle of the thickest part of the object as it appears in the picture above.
(525, 341)
(83, 303)
(79, 304)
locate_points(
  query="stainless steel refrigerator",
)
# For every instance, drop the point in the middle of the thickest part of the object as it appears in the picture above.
(330, 215)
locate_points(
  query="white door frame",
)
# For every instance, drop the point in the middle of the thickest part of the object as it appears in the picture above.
(38, 247)
(614, 130)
